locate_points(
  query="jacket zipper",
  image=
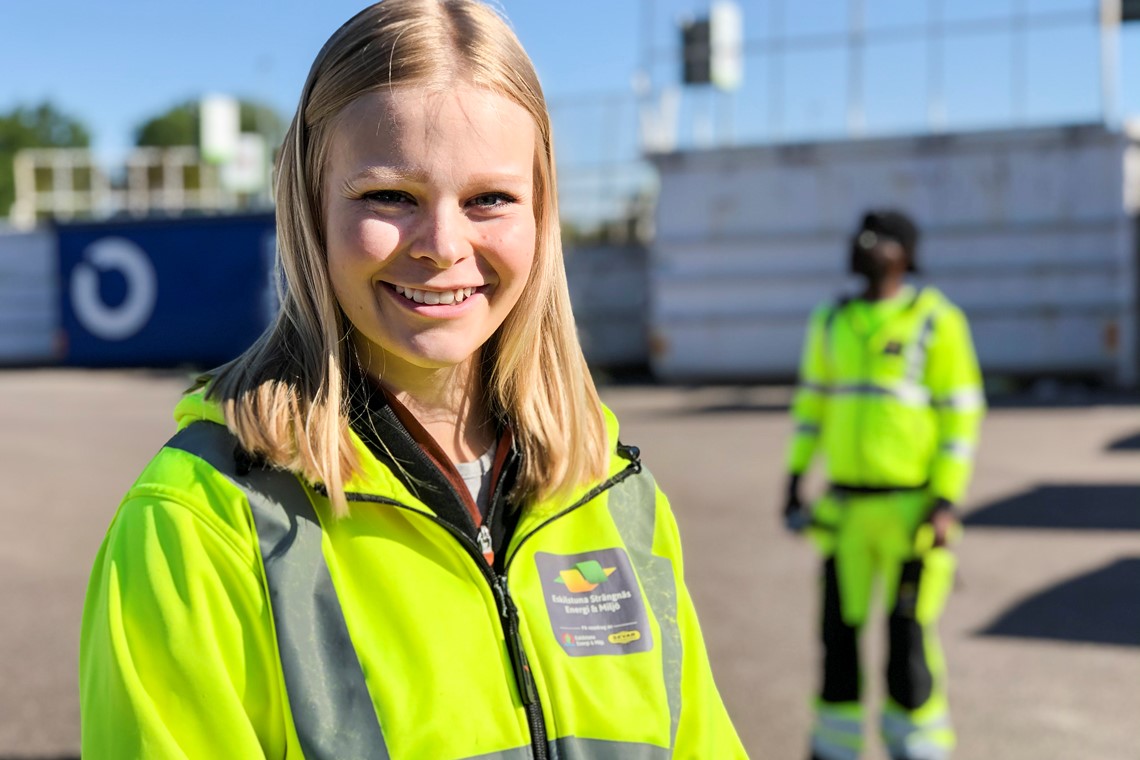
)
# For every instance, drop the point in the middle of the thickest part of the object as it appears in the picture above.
(508, 612)
(528, 690)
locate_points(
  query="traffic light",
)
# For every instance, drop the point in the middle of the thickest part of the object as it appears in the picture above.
(712, 47)
(696, 51)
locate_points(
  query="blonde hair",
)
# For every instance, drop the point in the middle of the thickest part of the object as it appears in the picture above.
(285, 397)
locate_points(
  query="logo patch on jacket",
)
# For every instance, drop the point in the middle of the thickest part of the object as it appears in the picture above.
(894, 348)
(594, 602)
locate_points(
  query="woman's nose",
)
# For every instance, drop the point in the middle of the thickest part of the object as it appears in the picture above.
(443, 237)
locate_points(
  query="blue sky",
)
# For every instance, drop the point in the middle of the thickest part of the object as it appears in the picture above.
(114, 64)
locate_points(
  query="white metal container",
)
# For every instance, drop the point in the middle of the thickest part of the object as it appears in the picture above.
(608, 290)
(1030, 231)
(29, 303)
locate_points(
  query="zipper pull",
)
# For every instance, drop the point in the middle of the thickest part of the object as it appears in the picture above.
(528, 690)
(485, 545)
(632, 453)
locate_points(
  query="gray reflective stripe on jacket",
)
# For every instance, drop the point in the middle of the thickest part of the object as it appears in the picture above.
(962, 400)
(328, 697)
(905, 392)
(573, 748)
(633, 507)
(909, 394)
(958, 449)
(916, 354)
(518, 753)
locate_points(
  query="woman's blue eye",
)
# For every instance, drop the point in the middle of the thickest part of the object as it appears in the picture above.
(491, 200)
(388, 196)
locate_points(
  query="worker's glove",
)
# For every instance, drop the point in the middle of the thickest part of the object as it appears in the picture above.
(942, 523)
(796, 515)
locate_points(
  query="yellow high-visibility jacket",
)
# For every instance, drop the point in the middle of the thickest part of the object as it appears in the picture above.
(230, 616)
(890, 393)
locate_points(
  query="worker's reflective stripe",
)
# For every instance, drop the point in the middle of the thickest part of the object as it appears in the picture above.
(573, 748)
(519, 753)
(805, 428)
(916, 353)
(930, 740)
(633, 507)
(906, 393)
(813, 388)
(837, 733)
(897, 724)
(824, 750)
(328, 698)
(964, 400)
(839, 725)
(957, 449)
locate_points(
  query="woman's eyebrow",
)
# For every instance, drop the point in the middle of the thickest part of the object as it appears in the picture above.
(382, 174)
(387, 173)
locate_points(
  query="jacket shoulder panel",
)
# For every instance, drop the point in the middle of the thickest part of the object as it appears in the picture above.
(179, 480)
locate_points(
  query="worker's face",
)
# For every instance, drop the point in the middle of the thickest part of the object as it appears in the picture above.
(884, 259)
(430, 225)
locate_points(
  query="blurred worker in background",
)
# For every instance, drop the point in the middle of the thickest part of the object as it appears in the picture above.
(890, 393)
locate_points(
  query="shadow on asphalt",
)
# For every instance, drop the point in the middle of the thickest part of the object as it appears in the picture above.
(1127, 443)
(1095, 608)
(1065, 401)
(1067, 506)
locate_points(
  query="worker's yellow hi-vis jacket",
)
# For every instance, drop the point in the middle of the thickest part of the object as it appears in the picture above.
(890, 393)
(229, 616)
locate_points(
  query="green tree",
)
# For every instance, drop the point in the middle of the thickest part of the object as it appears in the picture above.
(37, 126)
(179, 125)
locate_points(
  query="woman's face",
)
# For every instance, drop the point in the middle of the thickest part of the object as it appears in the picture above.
(429, 222)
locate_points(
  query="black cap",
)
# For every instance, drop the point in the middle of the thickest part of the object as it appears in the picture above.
(892, 225)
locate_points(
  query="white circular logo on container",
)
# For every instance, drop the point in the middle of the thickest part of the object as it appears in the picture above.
(123, 320)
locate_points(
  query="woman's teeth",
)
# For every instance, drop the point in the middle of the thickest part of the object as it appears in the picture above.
(433, 297)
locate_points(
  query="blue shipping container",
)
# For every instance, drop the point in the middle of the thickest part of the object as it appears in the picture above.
(165, 292)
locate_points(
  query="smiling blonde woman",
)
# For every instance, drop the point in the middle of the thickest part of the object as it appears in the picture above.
(401, 524)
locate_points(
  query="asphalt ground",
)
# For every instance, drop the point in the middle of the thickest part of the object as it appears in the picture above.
(1042, 633)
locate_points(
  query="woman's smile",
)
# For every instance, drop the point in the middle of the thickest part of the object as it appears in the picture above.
(433, 297)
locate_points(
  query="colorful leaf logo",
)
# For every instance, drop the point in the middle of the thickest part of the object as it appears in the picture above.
(584, 576)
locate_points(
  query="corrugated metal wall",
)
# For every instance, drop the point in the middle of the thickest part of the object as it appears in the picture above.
(609, 290)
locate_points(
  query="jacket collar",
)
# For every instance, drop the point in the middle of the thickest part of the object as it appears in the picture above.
(394, 436)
